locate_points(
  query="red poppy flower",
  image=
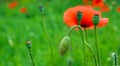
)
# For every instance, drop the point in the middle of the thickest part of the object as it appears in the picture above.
(23, 10)
(87, 14)
(118, 9)
(98, 3)
(13, 4)
(105, 8)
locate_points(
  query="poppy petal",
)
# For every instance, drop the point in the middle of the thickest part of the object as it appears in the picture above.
(88, 12)
(69, 18)
(103, 22)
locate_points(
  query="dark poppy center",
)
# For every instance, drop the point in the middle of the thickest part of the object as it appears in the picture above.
(84, 25)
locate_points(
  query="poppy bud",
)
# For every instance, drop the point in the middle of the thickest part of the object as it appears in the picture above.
(115, 59)
(29, 45)
(64, 45)
(79, 15)
(41, 8)
(96, 19)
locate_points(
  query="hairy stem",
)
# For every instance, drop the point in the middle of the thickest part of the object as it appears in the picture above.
(83, 44)
(93, 52)
(31, 56)
(50, 43)
(77, 26)
(96, 44)
(86, 34)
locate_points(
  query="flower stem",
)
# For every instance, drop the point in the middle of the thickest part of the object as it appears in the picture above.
(93, 52)
(86, 34)
(31, 56)
(70, 60)
(83, 45)
(90, 47)
(50, 43)
(71, 29)
(77, 26)
(96, 44)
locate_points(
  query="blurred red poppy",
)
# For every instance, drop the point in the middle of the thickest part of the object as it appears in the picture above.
(105, 8)
(23, 10)
(118, 9)
(13, 4)
(87, 14)
(98, 3)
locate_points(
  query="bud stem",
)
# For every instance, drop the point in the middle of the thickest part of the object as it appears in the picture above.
(71, 56)
(50, 42)
(77, 26)
(71, 29)
(31, 56)
(93, 52)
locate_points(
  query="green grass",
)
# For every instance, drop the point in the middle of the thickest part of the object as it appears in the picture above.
(15, 29)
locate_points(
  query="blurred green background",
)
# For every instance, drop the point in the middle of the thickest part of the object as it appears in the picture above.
(16, 28)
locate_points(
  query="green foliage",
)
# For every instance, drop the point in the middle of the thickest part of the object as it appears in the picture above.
(15, 29)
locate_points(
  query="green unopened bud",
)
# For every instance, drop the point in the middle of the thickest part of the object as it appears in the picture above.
(29, 45)
(96, 19)
(64, 45)
(41, 8)
(79, 15)
(115, 59)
